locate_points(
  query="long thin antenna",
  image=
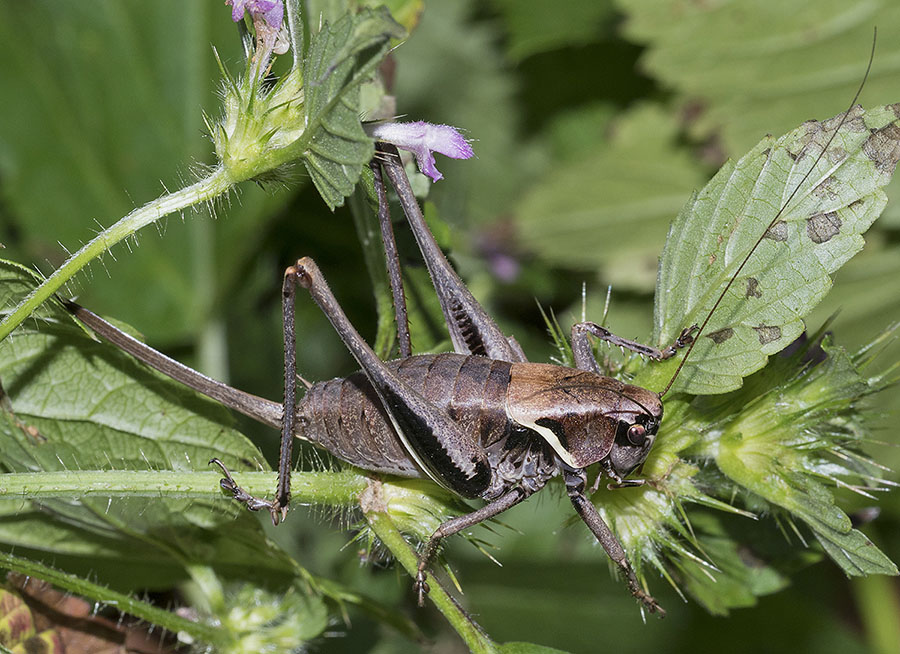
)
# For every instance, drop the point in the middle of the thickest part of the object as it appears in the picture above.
(774, 220)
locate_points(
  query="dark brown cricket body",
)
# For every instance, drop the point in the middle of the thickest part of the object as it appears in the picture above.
(345, 417)
(529, 418)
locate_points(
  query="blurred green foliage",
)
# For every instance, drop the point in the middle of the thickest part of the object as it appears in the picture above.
(575, 112)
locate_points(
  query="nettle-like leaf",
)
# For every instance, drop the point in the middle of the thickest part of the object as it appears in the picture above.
(793, 431)
(789, 273)
(776, 447)
(758, 57)
(341, 56)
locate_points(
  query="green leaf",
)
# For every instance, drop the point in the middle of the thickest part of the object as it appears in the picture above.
(406, 12)
(739, 578)
(789, 273)
(767, 65)
(586, 211)
(340, 58)
(536, 26)
(795, 434)
(855, 553)
(763, 65)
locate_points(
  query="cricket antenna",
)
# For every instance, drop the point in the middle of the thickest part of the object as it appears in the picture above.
(774, 220)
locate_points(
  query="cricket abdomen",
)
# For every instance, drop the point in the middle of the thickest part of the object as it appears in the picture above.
(345, 417)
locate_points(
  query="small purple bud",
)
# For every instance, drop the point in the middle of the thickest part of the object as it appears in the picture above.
(422, 139)
(268, 19)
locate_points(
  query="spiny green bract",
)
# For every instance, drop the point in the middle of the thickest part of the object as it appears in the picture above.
(777, 446)
(259, 622)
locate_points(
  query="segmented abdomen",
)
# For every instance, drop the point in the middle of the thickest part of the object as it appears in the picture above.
(345, 416)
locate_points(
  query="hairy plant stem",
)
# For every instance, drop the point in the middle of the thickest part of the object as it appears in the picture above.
(476, 640)
(330, 488)
(215, 184)
(124, 603)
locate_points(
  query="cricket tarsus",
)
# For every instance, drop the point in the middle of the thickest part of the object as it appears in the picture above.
(774, 220)
(228, 484)
(583, 352)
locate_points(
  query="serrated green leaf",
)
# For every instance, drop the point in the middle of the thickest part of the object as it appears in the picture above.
(855, 553)
(762, 65)
(340, 58)
(791, 436)
(789, 272)
(767, 65)
(848, 547)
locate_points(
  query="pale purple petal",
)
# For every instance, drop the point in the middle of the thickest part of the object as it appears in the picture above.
(422, 139)
(237, 9)
(272, 11)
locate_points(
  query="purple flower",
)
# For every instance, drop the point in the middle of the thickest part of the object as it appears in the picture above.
(272, 11)
(422, 139)
(268, 21)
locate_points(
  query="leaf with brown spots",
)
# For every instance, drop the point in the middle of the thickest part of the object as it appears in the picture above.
(790, 271)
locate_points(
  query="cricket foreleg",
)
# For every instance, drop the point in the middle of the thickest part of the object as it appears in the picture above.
(472, 330)
(456, 525)
(575, 485)
(584, 353)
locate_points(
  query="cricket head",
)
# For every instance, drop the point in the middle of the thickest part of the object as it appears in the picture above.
(635, 432)
(586, 418)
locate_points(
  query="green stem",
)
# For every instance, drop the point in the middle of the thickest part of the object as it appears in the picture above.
(206, 189)
(476, 640)
(878, 607)
(122, 602)
(333, 488)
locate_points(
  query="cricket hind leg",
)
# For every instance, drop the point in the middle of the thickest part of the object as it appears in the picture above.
(434, 441)
(575, 485)
(392, 260)
(267, 412)
(584, 353)
(472, 330)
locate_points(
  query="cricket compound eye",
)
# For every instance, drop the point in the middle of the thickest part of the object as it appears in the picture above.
(637, 434)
